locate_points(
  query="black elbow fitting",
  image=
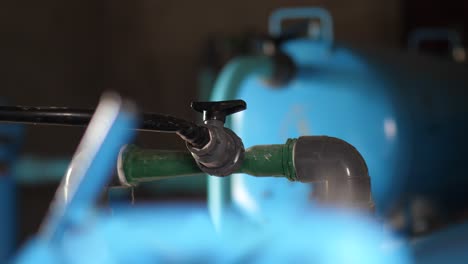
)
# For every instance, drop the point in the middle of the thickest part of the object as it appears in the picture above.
(284, 70)
(338, 165)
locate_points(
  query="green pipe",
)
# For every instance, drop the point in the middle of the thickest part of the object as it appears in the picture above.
(270, 160)
(143, 165)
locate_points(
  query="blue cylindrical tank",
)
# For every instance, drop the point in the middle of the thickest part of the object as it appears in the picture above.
(407, 114)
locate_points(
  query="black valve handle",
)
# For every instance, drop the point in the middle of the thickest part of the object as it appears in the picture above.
(218, 110)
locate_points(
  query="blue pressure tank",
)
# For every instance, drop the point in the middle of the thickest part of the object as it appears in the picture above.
(407, 114)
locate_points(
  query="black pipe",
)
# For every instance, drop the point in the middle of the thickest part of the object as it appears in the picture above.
(197, 136)
(338, 165)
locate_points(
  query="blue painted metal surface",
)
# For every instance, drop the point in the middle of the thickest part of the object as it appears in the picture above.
(335, 94)
(11, 137)
(184, 233)
(444, 246)
(111, 126)
(91, 167)
(406, 114)
(312, 13)
(233, 75)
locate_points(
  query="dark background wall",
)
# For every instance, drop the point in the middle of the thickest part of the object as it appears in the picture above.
(65, 53)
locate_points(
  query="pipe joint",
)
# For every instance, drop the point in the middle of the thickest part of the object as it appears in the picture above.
(224, 153)
(338, 165)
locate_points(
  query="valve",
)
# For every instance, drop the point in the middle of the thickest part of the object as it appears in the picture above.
(224, 153)
(218, 110)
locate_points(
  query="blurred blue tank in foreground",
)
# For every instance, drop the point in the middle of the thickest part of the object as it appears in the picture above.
(175, 233)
